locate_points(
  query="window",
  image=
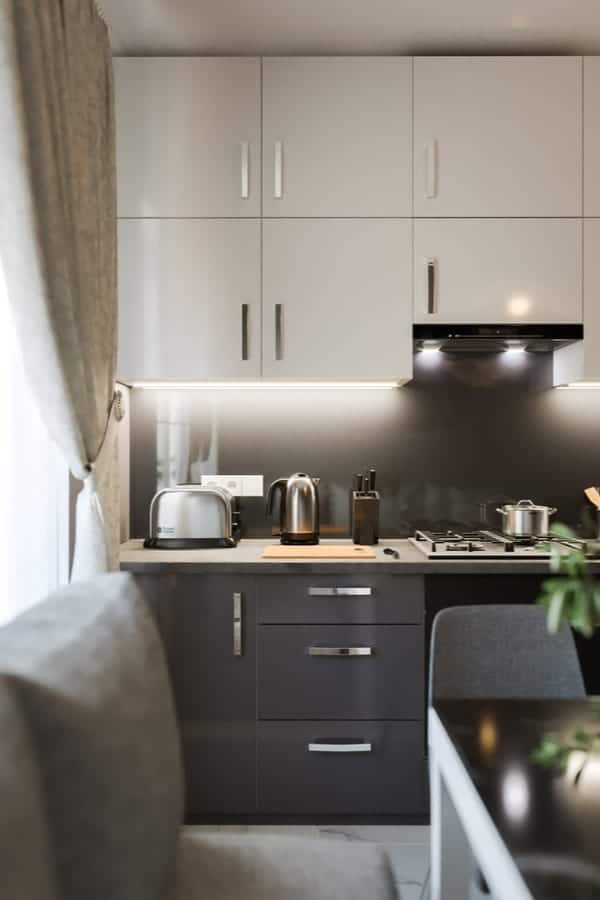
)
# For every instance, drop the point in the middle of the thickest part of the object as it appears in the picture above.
(34, 488)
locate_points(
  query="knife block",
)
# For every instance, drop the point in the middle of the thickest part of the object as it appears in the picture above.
(365, 517)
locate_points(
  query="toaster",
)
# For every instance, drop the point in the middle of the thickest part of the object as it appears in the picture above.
(190, 516)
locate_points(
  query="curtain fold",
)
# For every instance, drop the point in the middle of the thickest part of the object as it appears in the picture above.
(58, 232)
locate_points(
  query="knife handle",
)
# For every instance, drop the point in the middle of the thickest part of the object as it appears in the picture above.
(357, 482)
(372, 479)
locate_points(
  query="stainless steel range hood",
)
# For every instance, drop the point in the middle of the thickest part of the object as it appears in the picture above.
(495, 338)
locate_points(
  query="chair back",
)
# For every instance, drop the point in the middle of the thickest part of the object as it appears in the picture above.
(91, 676)
(504, 652)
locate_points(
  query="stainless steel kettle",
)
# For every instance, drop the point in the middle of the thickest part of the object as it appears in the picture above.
(298, 508)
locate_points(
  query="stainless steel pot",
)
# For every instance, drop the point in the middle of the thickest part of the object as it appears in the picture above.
(526, 519)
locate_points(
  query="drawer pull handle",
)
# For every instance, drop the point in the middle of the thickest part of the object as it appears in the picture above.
(340, 591)
(237, 624)
(340, 651)
(318, 747)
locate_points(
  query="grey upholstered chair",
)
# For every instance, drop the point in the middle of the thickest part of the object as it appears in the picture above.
(90, 746)
(504, 652)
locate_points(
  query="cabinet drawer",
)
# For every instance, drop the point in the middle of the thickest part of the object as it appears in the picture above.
(358, 599)
(342, 768)
(341, 672)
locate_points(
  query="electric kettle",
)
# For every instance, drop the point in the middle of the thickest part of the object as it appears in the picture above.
(298, 508)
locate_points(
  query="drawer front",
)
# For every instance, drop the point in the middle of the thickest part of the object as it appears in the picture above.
(341, 768)
(289, 599)
(341, 672)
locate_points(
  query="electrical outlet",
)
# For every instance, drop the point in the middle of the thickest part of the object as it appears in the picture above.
(238, 485)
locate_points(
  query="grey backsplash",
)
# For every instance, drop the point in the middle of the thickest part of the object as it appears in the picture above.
(467, 432)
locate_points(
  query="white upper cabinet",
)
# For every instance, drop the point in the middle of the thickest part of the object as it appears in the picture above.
(501, 271)
(498, 136)
(591, 147)
(188, 137)
(189, 299)
(337, 136)
(580, 362)
(336, 299)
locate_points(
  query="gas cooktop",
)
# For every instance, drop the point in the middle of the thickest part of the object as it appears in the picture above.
(485, 545)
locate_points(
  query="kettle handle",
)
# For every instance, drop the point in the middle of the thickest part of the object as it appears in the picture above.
(279, 484)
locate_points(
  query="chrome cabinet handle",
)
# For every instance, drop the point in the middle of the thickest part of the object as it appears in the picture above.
(340, 591)
(340, 651)
(431, 167)
(244, 331)
(245, 170)
(237, 624)
(278, 180)
(324, 747)
(431, 286)
(278, 331)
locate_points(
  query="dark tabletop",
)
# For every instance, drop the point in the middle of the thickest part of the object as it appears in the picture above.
(549, 819)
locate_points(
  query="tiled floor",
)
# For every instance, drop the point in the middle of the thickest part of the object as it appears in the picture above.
(407, 845)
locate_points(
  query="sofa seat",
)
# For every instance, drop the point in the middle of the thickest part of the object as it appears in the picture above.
(272, 867)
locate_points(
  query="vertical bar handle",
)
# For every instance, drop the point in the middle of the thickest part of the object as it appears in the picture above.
(237, 624)
(431, 169)
(278, 181)
(278, 331)
(244, 332)
(245, 170)
(431, 286)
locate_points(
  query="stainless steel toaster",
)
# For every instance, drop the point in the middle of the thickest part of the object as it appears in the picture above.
(191, 516)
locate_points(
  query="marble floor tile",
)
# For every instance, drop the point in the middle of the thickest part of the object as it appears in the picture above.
(410, 863)
(385, 834)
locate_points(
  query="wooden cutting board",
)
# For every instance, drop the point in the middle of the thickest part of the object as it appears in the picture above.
(318, 551)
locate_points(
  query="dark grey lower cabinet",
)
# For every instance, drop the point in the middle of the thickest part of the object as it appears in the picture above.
(349, 768)
(214, 675)
(318, 710)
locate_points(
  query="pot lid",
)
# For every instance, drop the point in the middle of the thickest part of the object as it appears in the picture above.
(526, 506)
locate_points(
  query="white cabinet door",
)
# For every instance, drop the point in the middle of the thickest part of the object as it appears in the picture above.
(189, 299)
(581, 361)
(337, 136)
(188, 137)
(498, 136)
(336, 299)
(591, 135)
(481, 271)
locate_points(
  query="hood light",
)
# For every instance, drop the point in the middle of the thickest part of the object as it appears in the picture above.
(264, 385)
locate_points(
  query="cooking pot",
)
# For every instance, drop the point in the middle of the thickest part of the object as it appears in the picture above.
(526, 519)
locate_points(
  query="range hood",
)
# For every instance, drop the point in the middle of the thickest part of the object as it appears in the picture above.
(495, 338)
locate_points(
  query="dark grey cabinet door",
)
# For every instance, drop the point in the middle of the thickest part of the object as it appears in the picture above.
(215, 690)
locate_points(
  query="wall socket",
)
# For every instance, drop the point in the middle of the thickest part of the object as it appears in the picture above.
(238, 485)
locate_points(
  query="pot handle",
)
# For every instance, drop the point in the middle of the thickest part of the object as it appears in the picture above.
(501, 511)
(552, 510)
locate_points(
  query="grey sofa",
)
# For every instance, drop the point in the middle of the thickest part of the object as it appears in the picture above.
(91, 777)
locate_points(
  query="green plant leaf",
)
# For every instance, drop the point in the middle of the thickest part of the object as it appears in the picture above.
(563, 531)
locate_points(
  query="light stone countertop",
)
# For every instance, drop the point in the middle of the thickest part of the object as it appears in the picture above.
(246, 559)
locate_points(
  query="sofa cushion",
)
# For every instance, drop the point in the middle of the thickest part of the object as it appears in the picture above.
(92, 678)
(260, 867)
(25, 859)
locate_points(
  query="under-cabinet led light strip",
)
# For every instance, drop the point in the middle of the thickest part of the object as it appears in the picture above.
(264, 385)
(580, 386)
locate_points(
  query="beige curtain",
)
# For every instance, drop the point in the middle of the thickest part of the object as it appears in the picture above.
(57, 234)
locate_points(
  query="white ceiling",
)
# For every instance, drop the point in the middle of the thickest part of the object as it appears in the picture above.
(271, 27)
